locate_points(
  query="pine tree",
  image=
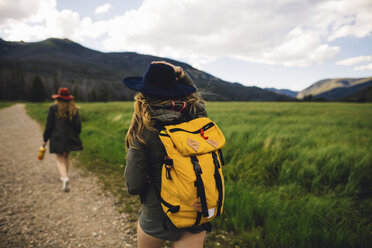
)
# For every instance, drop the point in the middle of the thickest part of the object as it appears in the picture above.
(75, 93)
(93, 96)
(37, 90)
(105, 94)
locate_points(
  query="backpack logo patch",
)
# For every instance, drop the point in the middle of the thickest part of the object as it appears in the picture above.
(193, 144)
(197, 205)
(212, 143)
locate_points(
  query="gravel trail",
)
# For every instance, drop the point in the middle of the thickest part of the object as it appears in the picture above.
(35, 212)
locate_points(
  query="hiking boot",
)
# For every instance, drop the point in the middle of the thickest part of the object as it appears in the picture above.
(65, 184)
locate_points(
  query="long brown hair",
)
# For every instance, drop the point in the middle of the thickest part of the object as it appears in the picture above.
(66, 109)
(142, 115)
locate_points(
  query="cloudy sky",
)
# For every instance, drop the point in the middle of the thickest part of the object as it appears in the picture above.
(266, 43)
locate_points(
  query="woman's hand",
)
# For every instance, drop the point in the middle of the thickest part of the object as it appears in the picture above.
(177, 69)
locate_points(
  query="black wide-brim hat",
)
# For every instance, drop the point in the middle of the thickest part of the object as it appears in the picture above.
(159, 80)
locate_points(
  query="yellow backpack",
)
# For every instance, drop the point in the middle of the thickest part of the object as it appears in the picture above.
(192, 185)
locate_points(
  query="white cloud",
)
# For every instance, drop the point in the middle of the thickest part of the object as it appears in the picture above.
(255, 31)
(363, 67)
(43, 23)
(354, 60)
(103, 8)
(300, 48)
(18, 9)
(291, 32)
(349, 18)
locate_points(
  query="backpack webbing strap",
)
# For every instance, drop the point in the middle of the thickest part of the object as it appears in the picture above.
(200, 186)
(198, 218)
(206, 226)
(221, 156)
(171, 208)
(218, 179)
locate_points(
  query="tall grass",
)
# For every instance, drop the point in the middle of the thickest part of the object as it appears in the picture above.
(297, 174)
(5, 104)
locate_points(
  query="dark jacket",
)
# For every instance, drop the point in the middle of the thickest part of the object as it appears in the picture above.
(63, 134)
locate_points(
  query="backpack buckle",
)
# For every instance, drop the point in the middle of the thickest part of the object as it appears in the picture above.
(168, 163)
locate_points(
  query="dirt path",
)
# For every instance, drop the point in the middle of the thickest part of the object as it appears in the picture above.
(34, 212)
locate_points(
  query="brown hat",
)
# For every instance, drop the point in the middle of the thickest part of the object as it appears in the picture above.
(64, 94)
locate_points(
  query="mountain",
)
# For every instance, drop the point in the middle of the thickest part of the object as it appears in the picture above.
(94, 75)
(364, 95)
(335, 89)
(286, 92)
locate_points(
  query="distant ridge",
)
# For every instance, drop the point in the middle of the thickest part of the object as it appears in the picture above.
(286, 92)
(335, 89)
(97, 76)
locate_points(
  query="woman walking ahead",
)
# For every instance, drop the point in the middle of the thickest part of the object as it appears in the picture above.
(62, 129)
(167, 95)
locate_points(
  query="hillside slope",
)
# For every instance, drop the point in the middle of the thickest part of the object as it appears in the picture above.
(93, 75)
(342, 92)
(334, 89)
(364, 95)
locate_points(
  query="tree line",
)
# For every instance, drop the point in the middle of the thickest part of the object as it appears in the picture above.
(39, 92)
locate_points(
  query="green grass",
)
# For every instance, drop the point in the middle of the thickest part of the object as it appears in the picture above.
(5, 104)
(297, 174)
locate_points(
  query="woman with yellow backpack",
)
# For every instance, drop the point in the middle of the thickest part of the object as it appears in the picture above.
(167, 96)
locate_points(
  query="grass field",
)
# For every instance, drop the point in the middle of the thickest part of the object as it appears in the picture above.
(297, 174)
(5, 104)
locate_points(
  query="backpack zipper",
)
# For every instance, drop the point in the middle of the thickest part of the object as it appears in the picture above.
(205, 128)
